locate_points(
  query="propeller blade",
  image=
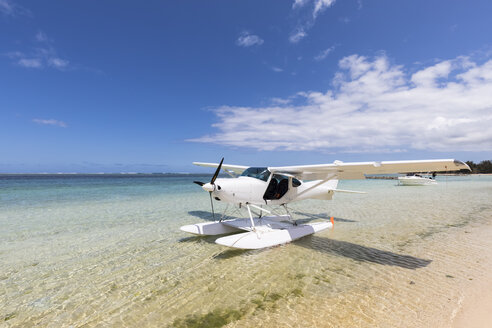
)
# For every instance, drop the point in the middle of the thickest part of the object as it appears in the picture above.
(212, 204)
(216, 174)
(199, 183)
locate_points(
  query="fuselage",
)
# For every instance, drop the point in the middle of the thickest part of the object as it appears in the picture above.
(258, 186)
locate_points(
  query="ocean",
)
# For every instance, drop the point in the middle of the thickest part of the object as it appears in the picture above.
(106, 251)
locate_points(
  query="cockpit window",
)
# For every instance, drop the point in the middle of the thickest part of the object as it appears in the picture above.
(261, 173)
(295, 182)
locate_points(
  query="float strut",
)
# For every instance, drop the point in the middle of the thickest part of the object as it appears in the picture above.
(287, 210)
(251, 217)
(223, 214)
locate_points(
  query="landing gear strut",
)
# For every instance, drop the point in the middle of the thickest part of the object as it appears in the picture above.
(294, 222)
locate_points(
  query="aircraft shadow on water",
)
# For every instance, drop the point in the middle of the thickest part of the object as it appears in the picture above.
(342, 248)
(361, 253)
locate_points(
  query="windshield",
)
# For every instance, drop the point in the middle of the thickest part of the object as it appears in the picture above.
(261, 173)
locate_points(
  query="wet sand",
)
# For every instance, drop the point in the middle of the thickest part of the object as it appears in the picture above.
(476, 311)
(475, 308)
(454, 290)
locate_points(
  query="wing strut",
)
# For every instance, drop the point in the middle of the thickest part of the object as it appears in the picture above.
(318, 184)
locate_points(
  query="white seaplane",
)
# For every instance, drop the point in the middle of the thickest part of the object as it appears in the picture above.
(255, 188)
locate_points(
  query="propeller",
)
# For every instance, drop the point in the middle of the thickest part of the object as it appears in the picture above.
(210, 187)
(216, 174)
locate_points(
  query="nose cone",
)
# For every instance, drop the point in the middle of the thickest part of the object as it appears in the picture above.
(208, 187)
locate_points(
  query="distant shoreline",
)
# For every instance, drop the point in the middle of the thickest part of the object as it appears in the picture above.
(177, 175)
(386, 177)
(122, 174)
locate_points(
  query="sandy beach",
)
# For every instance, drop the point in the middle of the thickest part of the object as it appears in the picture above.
(475, 306)
(476, 310)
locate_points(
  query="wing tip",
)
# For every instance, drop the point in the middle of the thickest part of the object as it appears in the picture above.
(460, 164)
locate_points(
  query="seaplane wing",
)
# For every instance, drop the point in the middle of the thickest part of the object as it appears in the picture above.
(357, 170)
(238, 169)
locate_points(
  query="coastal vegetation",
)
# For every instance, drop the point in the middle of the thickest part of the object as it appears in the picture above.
(482, 167)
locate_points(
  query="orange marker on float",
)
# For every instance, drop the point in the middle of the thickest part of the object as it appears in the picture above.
(332, 221)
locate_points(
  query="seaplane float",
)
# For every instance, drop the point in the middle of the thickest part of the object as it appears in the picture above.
(263, 191)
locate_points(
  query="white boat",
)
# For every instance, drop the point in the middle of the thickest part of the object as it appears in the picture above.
(416, 180)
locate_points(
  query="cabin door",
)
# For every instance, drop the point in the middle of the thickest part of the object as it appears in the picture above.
(277, 188)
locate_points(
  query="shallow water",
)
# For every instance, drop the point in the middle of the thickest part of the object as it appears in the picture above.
(107, 251)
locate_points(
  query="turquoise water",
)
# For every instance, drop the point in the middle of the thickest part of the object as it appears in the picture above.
(107, 251)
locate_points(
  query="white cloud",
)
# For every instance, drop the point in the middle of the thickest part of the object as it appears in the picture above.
(247, 40)
(9, 8)
(6, 7)
(428, 77)
(280, 101)
(374, 106)
(345, 20)
(277, 69)
(41, 37)
(299, 3)
(30, 62)
(321, 5)
(58, 62)
(323, 54)
(297, 35)
(44, 55)
(318, 6)
(50, 122)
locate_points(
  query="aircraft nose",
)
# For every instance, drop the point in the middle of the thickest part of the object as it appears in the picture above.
(208, 187)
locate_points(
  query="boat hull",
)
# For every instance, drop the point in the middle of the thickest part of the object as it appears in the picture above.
(416, 181)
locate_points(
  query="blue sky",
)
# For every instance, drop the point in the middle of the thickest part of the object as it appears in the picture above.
(126, 86)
